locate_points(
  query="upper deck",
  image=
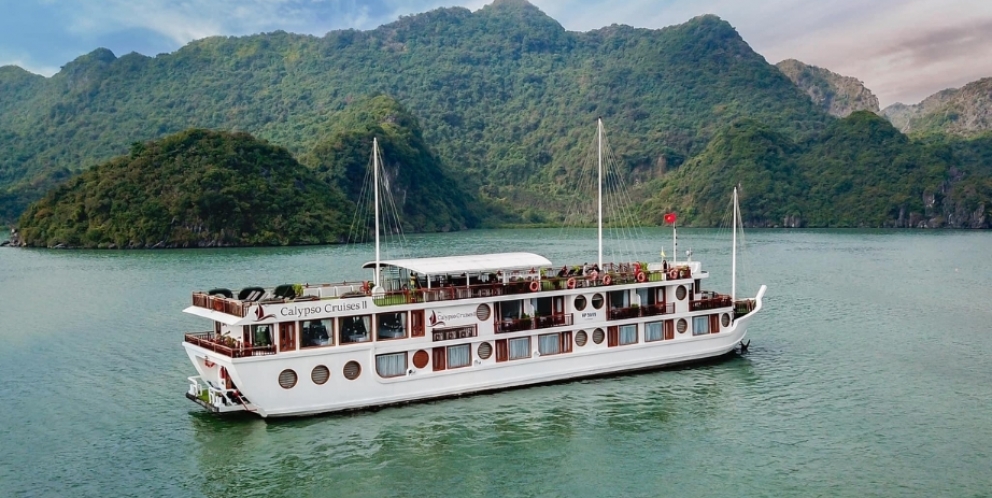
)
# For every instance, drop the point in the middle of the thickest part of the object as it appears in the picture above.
(420, 280)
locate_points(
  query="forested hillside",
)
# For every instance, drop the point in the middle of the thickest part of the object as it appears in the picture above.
(196, 188)
(506, 96)
(861, 172)
(506, 101)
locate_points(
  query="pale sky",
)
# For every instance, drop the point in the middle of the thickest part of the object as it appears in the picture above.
(904, 50)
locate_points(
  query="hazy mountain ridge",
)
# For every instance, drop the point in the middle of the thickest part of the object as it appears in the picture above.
(965, 111)
(838, 95)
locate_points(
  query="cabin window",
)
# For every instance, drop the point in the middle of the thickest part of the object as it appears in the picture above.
(647, 297)
(700, 325)
(316, 333)
(618, 299)
(628, 334)
(510, 310)
(459, 356)
(390, 326)
(580, 303)
(355, 329)
(390, 365)
(519, 348)
(542, 306)
(653, 332)
(597, 301)
(549, 344)
(261, 335)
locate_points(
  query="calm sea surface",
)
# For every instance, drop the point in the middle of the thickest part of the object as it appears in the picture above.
(869, 374)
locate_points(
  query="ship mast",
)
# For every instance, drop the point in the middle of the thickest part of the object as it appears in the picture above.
(733, 263)
(599, 128)
(375, 174)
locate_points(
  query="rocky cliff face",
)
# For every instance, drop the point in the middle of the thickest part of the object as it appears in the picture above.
(960, 111)
(836, 94)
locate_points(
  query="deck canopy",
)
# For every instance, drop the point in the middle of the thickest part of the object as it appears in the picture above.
(467, 264)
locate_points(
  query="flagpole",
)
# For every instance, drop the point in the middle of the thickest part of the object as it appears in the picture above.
(675, 243)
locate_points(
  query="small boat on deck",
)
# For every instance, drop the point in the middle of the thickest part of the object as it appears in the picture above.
(427, 328)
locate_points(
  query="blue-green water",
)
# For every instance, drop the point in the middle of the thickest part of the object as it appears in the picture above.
(869, 374)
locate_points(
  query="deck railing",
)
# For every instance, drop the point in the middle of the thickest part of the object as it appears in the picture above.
(743, 307)
(710, 303)
(537, 322)
(526, 284)
(217, 344)
(646, 310)
(221, 304)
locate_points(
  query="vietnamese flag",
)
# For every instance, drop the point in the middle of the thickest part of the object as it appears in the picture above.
(670, 218)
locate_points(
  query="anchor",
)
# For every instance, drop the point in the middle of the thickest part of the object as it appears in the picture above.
(745, 346)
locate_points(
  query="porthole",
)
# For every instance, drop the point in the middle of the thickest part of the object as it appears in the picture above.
(581, 338)
(420, 359)
(681, 325)
(597, 301)
(598, 336)
(680, 292)
(320, 374)
(725, 319)
(485, 350)
(483, 312)
(580, 303)
(352, 370)
(287, 379)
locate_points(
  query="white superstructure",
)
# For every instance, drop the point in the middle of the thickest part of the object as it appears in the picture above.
(452, 326)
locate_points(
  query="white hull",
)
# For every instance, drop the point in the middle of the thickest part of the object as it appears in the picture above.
(256, 377)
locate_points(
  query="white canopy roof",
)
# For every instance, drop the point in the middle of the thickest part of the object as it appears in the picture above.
(213, 315)
(466, 264)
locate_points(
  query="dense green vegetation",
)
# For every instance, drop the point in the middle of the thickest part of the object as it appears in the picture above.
(427, 197)
(194, 188)
(507, 100)
(861, 171)
(506, 96)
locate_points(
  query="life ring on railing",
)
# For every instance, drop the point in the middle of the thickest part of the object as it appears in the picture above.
(570, 283)
(534, 285)
(673, 274)
(607, 279)
(641, 277)
(365, 287)
(208, 363)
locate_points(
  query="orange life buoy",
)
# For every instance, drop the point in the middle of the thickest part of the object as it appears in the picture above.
(570, 283)
(534, 285)
(208, 363)
(641, 277)
(607, 279)
(673, 274)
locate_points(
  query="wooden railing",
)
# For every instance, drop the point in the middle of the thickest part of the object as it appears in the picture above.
(711, 303)
(646, 310)
(537, 322)
(221, 304)
(213, 342)
(743, 307)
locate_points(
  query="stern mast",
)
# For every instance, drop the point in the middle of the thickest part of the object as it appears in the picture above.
(599, 128)
(733, 263)
(375, 175)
